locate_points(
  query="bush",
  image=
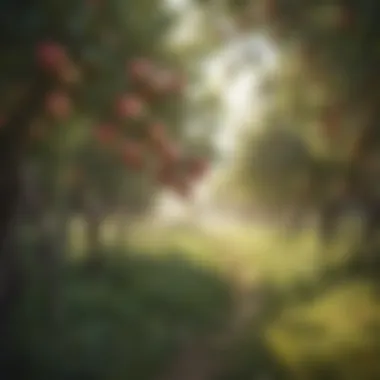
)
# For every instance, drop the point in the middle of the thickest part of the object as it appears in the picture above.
(124, 320)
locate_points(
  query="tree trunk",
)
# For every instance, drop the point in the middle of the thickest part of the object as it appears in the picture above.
(12, 147)
(53, 239)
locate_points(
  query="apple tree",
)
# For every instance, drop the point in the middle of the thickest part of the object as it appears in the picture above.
(91, 97)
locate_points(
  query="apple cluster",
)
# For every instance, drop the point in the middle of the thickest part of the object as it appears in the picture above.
(130, 111)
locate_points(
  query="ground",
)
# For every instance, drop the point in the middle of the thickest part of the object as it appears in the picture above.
(327, 326)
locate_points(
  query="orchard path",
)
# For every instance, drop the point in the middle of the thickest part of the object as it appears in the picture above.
(204, 358)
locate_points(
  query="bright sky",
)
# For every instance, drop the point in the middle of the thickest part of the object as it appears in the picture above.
(177, 4)
(235, 73)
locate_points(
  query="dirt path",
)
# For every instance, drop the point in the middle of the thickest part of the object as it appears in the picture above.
(203, 358)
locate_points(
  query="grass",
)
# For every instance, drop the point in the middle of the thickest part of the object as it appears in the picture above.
(127, 319)
(316, 337)
(331, 329)
(265, 251)
(171, 285)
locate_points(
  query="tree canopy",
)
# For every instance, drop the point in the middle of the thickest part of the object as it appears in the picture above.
(325, 92)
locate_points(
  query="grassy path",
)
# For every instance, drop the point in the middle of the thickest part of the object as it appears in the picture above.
(204, 358)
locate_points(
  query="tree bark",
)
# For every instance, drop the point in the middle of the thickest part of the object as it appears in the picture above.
(12, 148)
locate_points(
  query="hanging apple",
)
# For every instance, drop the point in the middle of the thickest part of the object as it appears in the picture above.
(159, 83)
(165, 175)
(68, 74)
(105, 133)
(140, 69)
(182, 187)
(51, 56)
(160, 144)
(129, 106)
(197, 167)
(166, 82)
(156, 133)
(168, 152)
(58, 105)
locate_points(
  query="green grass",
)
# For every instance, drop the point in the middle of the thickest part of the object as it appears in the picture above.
(169, 282)
(331, 329)
(126, 319)
(315, 337)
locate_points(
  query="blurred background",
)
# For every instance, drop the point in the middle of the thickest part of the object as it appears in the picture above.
(190, 190)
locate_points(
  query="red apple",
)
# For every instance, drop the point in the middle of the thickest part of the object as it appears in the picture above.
(182, 187)
(156, 133)
(58, 105)
(129, 106)
(165, 175)
(68, 74)
(166, 81)
(51, 56)
(140, 68)
(177, 84)
(197, 168)
(105, 133)
(167, 151)
(161, 81)
(133, 156)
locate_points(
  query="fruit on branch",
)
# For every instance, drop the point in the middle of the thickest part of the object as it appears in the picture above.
(160, 82)
(168, 151)
(105, 134)
(69, 74)
(129, 106)
(177, 84)
(197, 168)
(140, 69)
(156, 133)
(165, 175)
(160, 144)
(169, 177)
(58, 105)
(166, 82)
(182, 187)
(133, 155)
(51, 56)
